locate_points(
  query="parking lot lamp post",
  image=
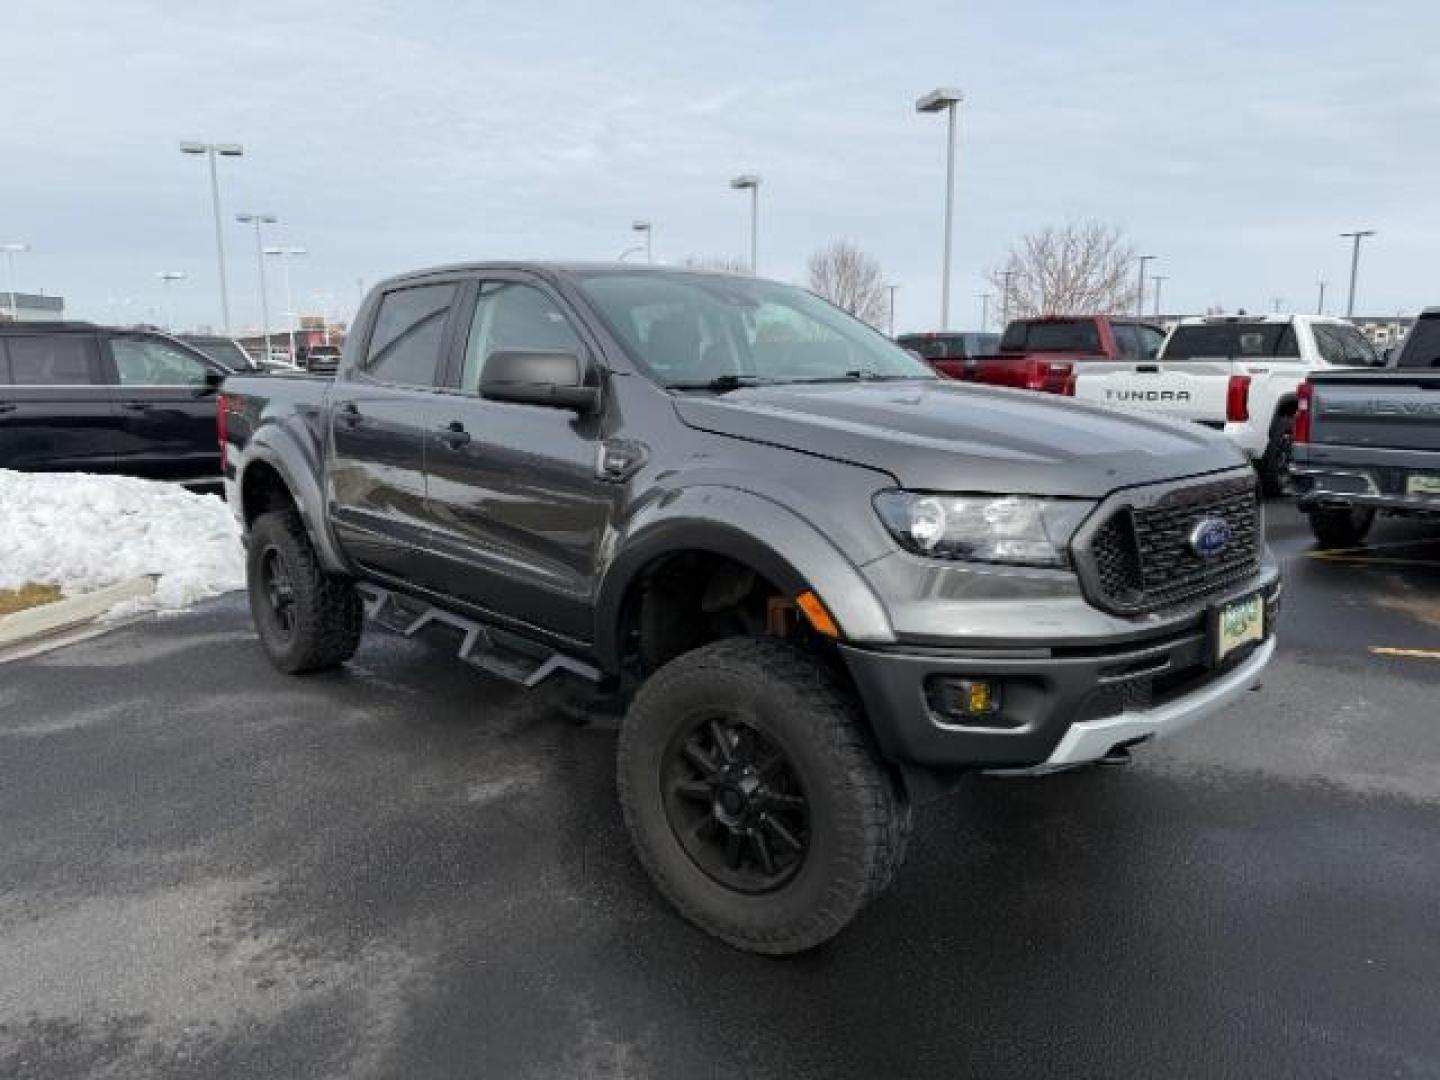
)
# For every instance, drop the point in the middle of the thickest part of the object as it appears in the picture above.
(1356, 236)
(1320, 304)
(11, 250)
(169, 277)
(1159, 280)
(945, 99)
(984, 311)
(285, 254)
(891, 289)
(751, 182)
(629, 251)
(259, 220)
(648, 229)
(212, 150)
(1140, 299)
(1005, 276)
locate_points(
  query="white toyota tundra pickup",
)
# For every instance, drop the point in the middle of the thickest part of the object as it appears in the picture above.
(1235, 373)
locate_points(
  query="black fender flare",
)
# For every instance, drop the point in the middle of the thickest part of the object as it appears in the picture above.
(300, 471)
(754, 530)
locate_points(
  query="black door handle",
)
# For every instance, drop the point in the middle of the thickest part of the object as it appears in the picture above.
(135, 406)
(348, 413)
(454, 435)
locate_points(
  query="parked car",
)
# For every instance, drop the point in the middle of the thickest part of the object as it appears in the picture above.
(950, 352)
(1239, 374)
(1368, 442)
(1045, 353)
(225, 351)
(80, 397)
(321, 359)
(824, 582)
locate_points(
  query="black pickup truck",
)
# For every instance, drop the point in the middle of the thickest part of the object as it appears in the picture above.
(80, 397)
(821, 582)
(1368, 442)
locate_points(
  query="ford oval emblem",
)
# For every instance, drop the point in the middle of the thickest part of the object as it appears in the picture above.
(1210, 537)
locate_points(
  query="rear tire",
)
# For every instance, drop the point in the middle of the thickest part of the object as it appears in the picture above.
(1336, 527)
(754, 798)
(1274, 465)
(307, 619)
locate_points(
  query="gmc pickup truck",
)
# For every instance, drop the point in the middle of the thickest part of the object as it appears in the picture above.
(1239, 374)
(1368, 442)
(1047, 353)
(821, 582)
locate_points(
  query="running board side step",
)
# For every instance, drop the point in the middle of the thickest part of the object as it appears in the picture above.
(497, 652)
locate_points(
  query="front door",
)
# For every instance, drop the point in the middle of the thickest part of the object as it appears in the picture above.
(517, 510)
(57, 412)
(166, 398)
(379, 413)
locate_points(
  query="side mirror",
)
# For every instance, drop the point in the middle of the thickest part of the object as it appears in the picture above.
(213, 379)
(535, 377)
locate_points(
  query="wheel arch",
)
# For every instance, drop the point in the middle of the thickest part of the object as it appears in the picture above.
(269, 460)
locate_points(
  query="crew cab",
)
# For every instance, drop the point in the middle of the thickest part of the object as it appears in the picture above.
(1239, 374)
(1368, 442)
(1047, 353)
(79, 397)
(820, 582)
(950, 352)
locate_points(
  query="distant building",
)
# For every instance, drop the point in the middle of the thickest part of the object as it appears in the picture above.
(1384, 330)
(29, 307)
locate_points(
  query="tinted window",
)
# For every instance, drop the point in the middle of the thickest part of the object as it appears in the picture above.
(1150, 341)
(223, 351)
(511, 316)
(981, 344)
(1422, 346)
(409, 331)
(150, 362)
(1127, 340)
(942, 346)
(1056, 335)
(1332, 350)
(59, 360)
(1228, 340)
(1358, 350)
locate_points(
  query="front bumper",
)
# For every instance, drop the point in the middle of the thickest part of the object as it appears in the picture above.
(1063, 705)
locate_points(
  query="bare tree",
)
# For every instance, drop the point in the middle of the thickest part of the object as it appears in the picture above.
(1076, 269)
(723, 264)
(850, 279)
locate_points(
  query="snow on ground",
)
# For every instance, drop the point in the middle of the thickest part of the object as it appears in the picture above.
(82, 532)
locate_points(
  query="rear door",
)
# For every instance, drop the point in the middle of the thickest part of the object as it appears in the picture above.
(166, 394)
(380, 410)
(56, 411)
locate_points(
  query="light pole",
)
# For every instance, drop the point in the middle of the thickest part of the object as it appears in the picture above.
(891, 289)
(648, 229)
(258, 220)
(944, 99)
(984, 311)
(1320, 304)
(1140, 300)
(1159, 280)
(211, 151)
(752, 182)
(285, 254)
(1357, 236)
(1005, 276)
(629, 251)
(1275, 302)
(11, 250)
(167, 277)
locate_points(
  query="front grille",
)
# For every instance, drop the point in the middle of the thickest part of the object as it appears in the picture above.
(1139, 559)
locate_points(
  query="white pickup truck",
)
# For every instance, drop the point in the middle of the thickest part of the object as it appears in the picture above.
(1239, 374)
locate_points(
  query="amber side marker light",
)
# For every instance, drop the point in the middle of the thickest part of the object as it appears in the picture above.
(816, 615)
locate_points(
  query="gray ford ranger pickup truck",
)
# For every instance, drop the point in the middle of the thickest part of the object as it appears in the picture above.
(820, 582)
(1368, 442)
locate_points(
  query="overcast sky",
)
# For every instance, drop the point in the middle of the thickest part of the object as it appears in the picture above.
(1232, 139)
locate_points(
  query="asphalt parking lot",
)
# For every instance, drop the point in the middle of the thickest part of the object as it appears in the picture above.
(405, 869)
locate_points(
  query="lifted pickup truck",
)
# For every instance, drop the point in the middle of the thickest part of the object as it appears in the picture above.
(1047, 353)
(1368, 442)
(822, 582)
(1239, 374)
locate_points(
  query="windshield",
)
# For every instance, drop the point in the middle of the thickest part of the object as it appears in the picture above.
(694, 330)
(222, 351)
(1232, 340)
(1052, 335)
(1422, 347)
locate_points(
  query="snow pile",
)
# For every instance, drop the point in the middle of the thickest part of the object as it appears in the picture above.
(83, 532)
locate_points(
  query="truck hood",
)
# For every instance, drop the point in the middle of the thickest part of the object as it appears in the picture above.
(950, 436)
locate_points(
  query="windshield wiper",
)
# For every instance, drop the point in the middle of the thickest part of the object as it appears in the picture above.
(720, 384)
(865, 375)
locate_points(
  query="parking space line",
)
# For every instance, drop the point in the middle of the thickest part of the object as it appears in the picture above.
(1412, 654)
(1340, 557)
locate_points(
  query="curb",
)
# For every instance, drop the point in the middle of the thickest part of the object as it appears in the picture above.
(23, 631)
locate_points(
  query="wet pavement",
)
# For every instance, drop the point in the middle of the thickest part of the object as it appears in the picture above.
(406, 869)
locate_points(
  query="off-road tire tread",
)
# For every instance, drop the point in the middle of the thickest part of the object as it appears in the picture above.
(1272, 483)
(882, 815)
(330, 614)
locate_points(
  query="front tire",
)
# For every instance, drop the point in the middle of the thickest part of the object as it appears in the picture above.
(753, 796)
(1341, 527)
(307, 619)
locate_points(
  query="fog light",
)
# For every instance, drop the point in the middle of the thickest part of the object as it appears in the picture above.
(964, 701)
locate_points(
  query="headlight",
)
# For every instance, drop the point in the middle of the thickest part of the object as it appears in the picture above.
(983, 528)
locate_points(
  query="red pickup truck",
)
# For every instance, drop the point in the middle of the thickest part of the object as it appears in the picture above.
(1041, 354)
